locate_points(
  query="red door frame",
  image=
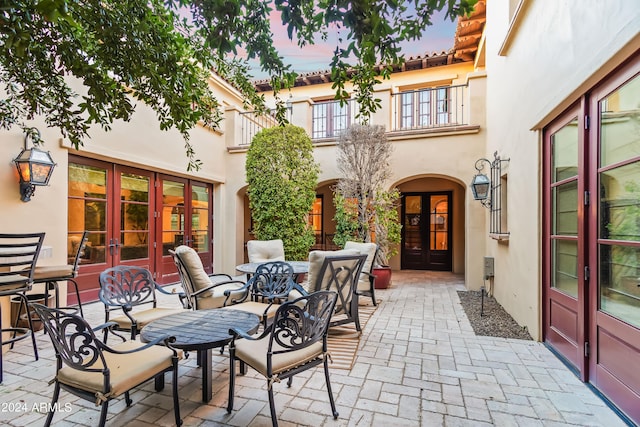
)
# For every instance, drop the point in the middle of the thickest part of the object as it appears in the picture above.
(570, 348)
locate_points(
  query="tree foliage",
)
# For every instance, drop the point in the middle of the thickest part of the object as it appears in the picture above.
(282, 177)
(160, 52)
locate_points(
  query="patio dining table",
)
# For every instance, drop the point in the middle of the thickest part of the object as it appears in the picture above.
(299, 267)
(201, 331)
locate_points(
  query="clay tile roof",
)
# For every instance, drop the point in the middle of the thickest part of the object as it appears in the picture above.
(467, 37)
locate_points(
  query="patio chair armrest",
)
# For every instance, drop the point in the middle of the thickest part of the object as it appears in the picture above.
(103, 326)
(111, 328)
(164, 340)
(166, 292)
(231, 294)
(300, 289)
(215, 285)
(237, 333)
(221, 275)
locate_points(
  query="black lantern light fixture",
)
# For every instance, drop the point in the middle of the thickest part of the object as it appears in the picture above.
(481, 185)
(34, 165)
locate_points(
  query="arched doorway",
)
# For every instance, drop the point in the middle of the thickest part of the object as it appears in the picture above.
(432, 217)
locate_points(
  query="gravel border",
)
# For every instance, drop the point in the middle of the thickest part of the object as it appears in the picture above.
(488, 318)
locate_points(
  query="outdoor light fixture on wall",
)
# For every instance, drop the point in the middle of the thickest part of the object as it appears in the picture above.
(484, 188)
(34, 165)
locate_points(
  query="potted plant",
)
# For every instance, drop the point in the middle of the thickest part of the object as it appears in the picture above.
(387, 229)
(365, 210)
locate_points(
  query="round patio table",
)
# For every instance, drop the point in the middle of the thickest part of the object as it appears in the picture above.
(299, 267)
(201, 331)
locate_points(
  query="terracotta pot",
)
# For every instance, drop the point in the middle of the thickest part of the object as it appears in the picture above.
(383, 276)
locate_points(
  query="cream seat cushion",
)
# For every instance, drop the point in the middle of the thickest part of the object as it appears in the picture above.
(254, 352)
(368, 249)
(316, 259)
(265, 250)
(255, 307)
(215, 298)
(126, 370)
(144, 317)
(53, 271)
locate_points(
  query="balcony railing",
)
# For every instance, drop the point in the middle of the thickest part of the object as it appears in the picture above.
(252, 123)
(429, 108)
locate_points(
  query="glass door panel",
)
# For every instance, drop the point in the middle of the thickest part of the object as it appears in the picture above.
(173, 215)
(134, 216)
(87, 207)
(616, 322)
(426, 227)
(200, 218)
(564, 295)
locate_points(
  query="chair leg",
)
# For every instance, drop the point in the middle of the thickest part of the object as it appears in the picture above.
(331, 400)
(372, 292)
(75, 284)
(272, 406)
(354, 312)
(127, 399)
(232, 378)
(25, 302)
(103, 414)
(33, 336)
(176, 403)
(54, 399)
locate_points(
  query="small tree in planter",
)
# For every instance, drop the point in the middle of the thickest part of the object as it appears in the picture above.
(282, 177)
(365, 211)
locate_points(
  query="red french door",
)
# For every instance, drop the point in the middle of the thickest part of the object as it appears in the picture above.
(185, 219)
(115, 204)
(615, 245)
(564, 231)
(592, 238)
(134, 217)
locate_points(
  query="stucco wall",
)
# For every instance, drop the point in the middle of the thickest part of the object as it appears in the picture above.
(558, 49)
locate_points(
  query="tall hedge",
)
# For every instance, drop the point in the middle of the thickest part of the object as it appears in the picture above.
(282, 177)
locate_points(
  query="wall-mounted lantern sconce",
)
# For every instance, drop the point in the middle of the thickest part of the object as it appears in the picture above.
(34, 165)
(483, 187)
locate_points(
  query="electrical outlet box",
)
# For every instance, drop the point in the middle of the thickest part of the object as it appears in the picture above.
(488, 267)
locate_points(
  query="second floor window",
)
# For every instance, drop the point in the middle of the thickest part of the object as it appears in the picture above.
(330, 118)
(424, 108)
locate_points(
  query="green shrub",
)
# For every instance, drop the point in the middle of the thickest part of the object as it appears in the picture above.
(282, 177)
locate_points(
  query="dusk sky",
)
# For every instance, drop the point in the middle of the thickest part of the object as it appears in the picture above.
(437, 38)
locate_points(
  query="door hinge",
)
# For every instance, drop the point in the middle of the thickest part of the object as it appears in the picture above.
(586, 349)
(587, 273)
(586, 122)
(587, 198)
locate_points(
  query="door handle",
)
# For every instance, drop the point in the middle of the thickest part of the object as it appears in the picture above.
(111, 246)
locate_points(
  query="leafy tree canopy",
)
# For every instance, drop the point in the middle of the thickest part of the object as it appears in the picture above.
(160, 52)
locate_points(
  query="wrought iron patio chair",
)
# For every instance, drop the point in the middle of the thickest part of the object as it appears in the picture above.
(366, 281)
(18, 256)
(340, 274)
(132, 290)
(201, 290)
(88, 368)
(264, 291)
(51, 275)
(295, 341)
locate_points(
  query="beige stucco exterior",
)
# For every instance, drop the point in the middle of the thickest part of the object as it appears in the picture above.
(531, 66)
(538, 63)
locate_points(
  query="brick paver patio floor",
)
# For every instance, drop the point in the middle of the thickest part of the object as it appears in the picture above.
(419, 364)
